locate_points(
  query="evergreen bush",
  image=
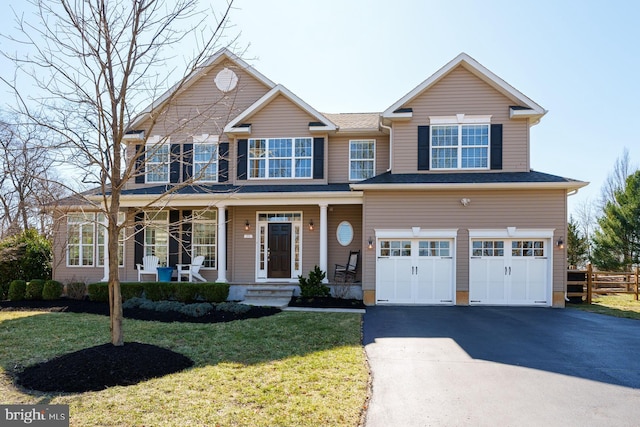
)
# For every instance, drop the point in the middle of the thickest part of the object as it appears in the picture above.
(131, 290)
(214, 292)
(17, 290)
(313, 286)
(159, 291)
(98, 291)
(187, 292)
(34, 289)
(52, 290)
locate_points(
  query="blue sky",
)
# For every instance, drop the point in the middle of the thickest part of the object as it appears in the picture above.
(578, 59)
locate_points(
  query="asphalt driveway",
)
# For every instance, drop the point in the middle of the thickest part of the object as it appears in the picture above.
(501, 366)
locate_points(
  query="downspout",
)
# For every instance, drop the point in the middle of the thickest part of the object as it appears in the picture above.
(390, 129)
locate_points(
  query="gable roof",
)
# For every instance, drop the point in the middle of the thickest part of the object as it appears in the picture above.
(526, 106)
(215, 59)
(322, 123)
(355, 122)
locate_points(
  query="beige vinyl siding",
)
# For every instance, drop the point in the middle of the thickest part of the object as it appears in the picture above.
(207, 111)
(488, 210)
(338, 254)
(461, 92)
(339, 155)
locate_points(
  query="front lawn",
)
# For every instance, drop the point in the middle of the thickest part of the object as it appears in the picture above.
(293, 368)
(618, 305)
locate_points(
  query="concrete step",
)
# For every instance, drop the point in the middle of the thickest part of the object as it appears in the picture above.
(268, 296)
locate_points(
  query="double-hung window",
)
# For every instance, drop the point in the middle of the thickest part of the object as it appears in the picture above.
(462, 145)
(204, 235)
(205, 158)
(157, 160)
(81, 239)
(280, 158)
(362, 155)
(156, 235)
(102, 231)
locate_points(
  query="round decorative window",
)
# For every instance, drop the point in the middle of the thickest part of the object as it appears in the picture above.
(226, 80)
(344, 233)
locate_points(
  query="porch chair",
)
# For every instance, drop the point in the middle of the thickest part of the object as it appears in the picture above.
(149, 266)
(191, 270)
(346, 273)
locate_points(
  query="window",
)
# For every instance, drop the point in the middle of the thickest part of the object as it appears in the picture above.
(101, 240)
(204, 233)
(460, 146)
(527, 248)
(156, 235)
(157, 160)
(435, 248)
(344, 233)
(80, 235)
(489, 248)
(280, 158)
(395, 248)
(362, 154)
(205, 158)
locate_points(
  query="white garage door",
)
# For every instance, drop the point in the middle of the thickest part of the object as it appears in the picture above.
(510, 272)
(415, 271)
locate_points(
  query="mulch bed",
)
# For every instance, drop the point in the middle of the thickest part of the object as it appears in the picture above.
(97, 368)
(325, 302)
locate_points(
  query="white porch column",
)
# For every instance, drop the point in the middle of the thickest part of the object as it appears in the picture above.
(323, 241)
(105, 259)
(222, 245)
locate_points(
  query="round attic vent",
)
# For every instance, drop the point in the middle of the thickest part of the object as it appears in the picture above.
(226, 80)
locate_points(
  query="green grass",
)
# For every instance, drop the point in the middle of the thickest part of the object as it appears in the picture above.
(291, 369)
(618, 305)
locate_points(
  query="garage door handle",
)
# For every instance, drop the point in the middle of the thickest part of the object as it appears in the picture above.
(505, 271)
(509, 271)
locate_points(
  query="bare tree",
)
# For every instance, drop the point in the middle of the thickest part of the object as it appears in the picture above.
(97, 62)
(617, 178)
(587, 220)
(28, 178)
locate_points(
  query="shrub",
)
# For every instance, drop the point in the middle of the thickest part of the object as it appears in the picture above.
(131, 290)
(34, 289)
(4, 290)
(165, 306)
(77, 290)
(187, 292)
(159, 291)
(196, 310)
(98, 291)
(233, 307)
(25, 256)
(52, 290)
(313, 286)
(17, 290)
(214, 292)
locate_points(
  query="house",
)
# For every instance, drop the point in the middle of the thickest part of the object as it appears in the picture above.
(436, 192)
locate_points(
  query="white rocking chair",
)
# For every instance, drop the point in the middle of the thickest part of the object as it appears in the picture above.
(191, 270)
(149, 266)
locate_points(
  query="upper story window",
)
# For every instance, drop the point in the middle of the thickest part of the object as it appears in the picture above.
(280, 158)
(205, 158)
(157, 160)
(460, 142)
(362, 155)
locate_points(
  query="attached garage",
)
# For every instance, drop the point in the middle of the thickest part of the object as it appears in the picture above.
(415, 266)
(511, 267)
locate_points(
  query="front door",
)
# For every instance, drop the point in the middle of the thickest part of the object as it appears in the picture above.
(279, 251)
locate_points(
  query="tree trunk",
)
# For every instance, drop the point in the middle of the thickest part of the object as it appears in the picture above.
(115, 294)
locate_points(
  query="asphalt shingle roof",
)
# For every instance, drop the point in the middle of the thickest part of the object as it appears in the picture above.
(346, 121)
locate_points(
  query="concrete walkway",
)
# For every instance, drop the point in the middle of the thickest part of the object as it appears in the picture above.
(489, 366)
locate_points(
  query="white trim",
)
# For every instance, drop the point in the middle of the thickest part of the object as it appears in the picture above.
(511, 233)
(459, 119)
(473, 185)
(416, 233)
(261, 276)
(267, 159)
(240, 130)
(477, 69)
(206, 139)
(152, 145)
(270, 96)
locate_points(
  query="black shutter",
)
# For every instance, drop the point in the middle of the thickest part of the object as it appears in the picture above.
(174, 164)
(174, 237)
(243, 147)
(318, 158)
(140, 165)
(138, 247)
(186, 237)
(223, 162)
(496, 146)
(423, 148)
(187, 160)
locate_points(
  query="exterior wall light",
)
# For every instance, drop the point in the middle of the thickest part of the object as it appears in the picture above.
(247, 226)
(311, 227)
(560, 243)
(370, 243)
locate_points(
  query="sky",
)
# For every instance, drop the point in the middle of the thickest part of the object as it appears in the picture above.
(580, 60)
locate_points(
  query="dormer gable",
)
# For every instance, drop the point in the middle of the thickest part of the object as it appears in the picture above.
(523, 106)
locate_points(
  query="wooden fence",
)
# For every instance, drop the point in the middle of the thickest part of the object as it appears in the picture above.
(585, 283)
